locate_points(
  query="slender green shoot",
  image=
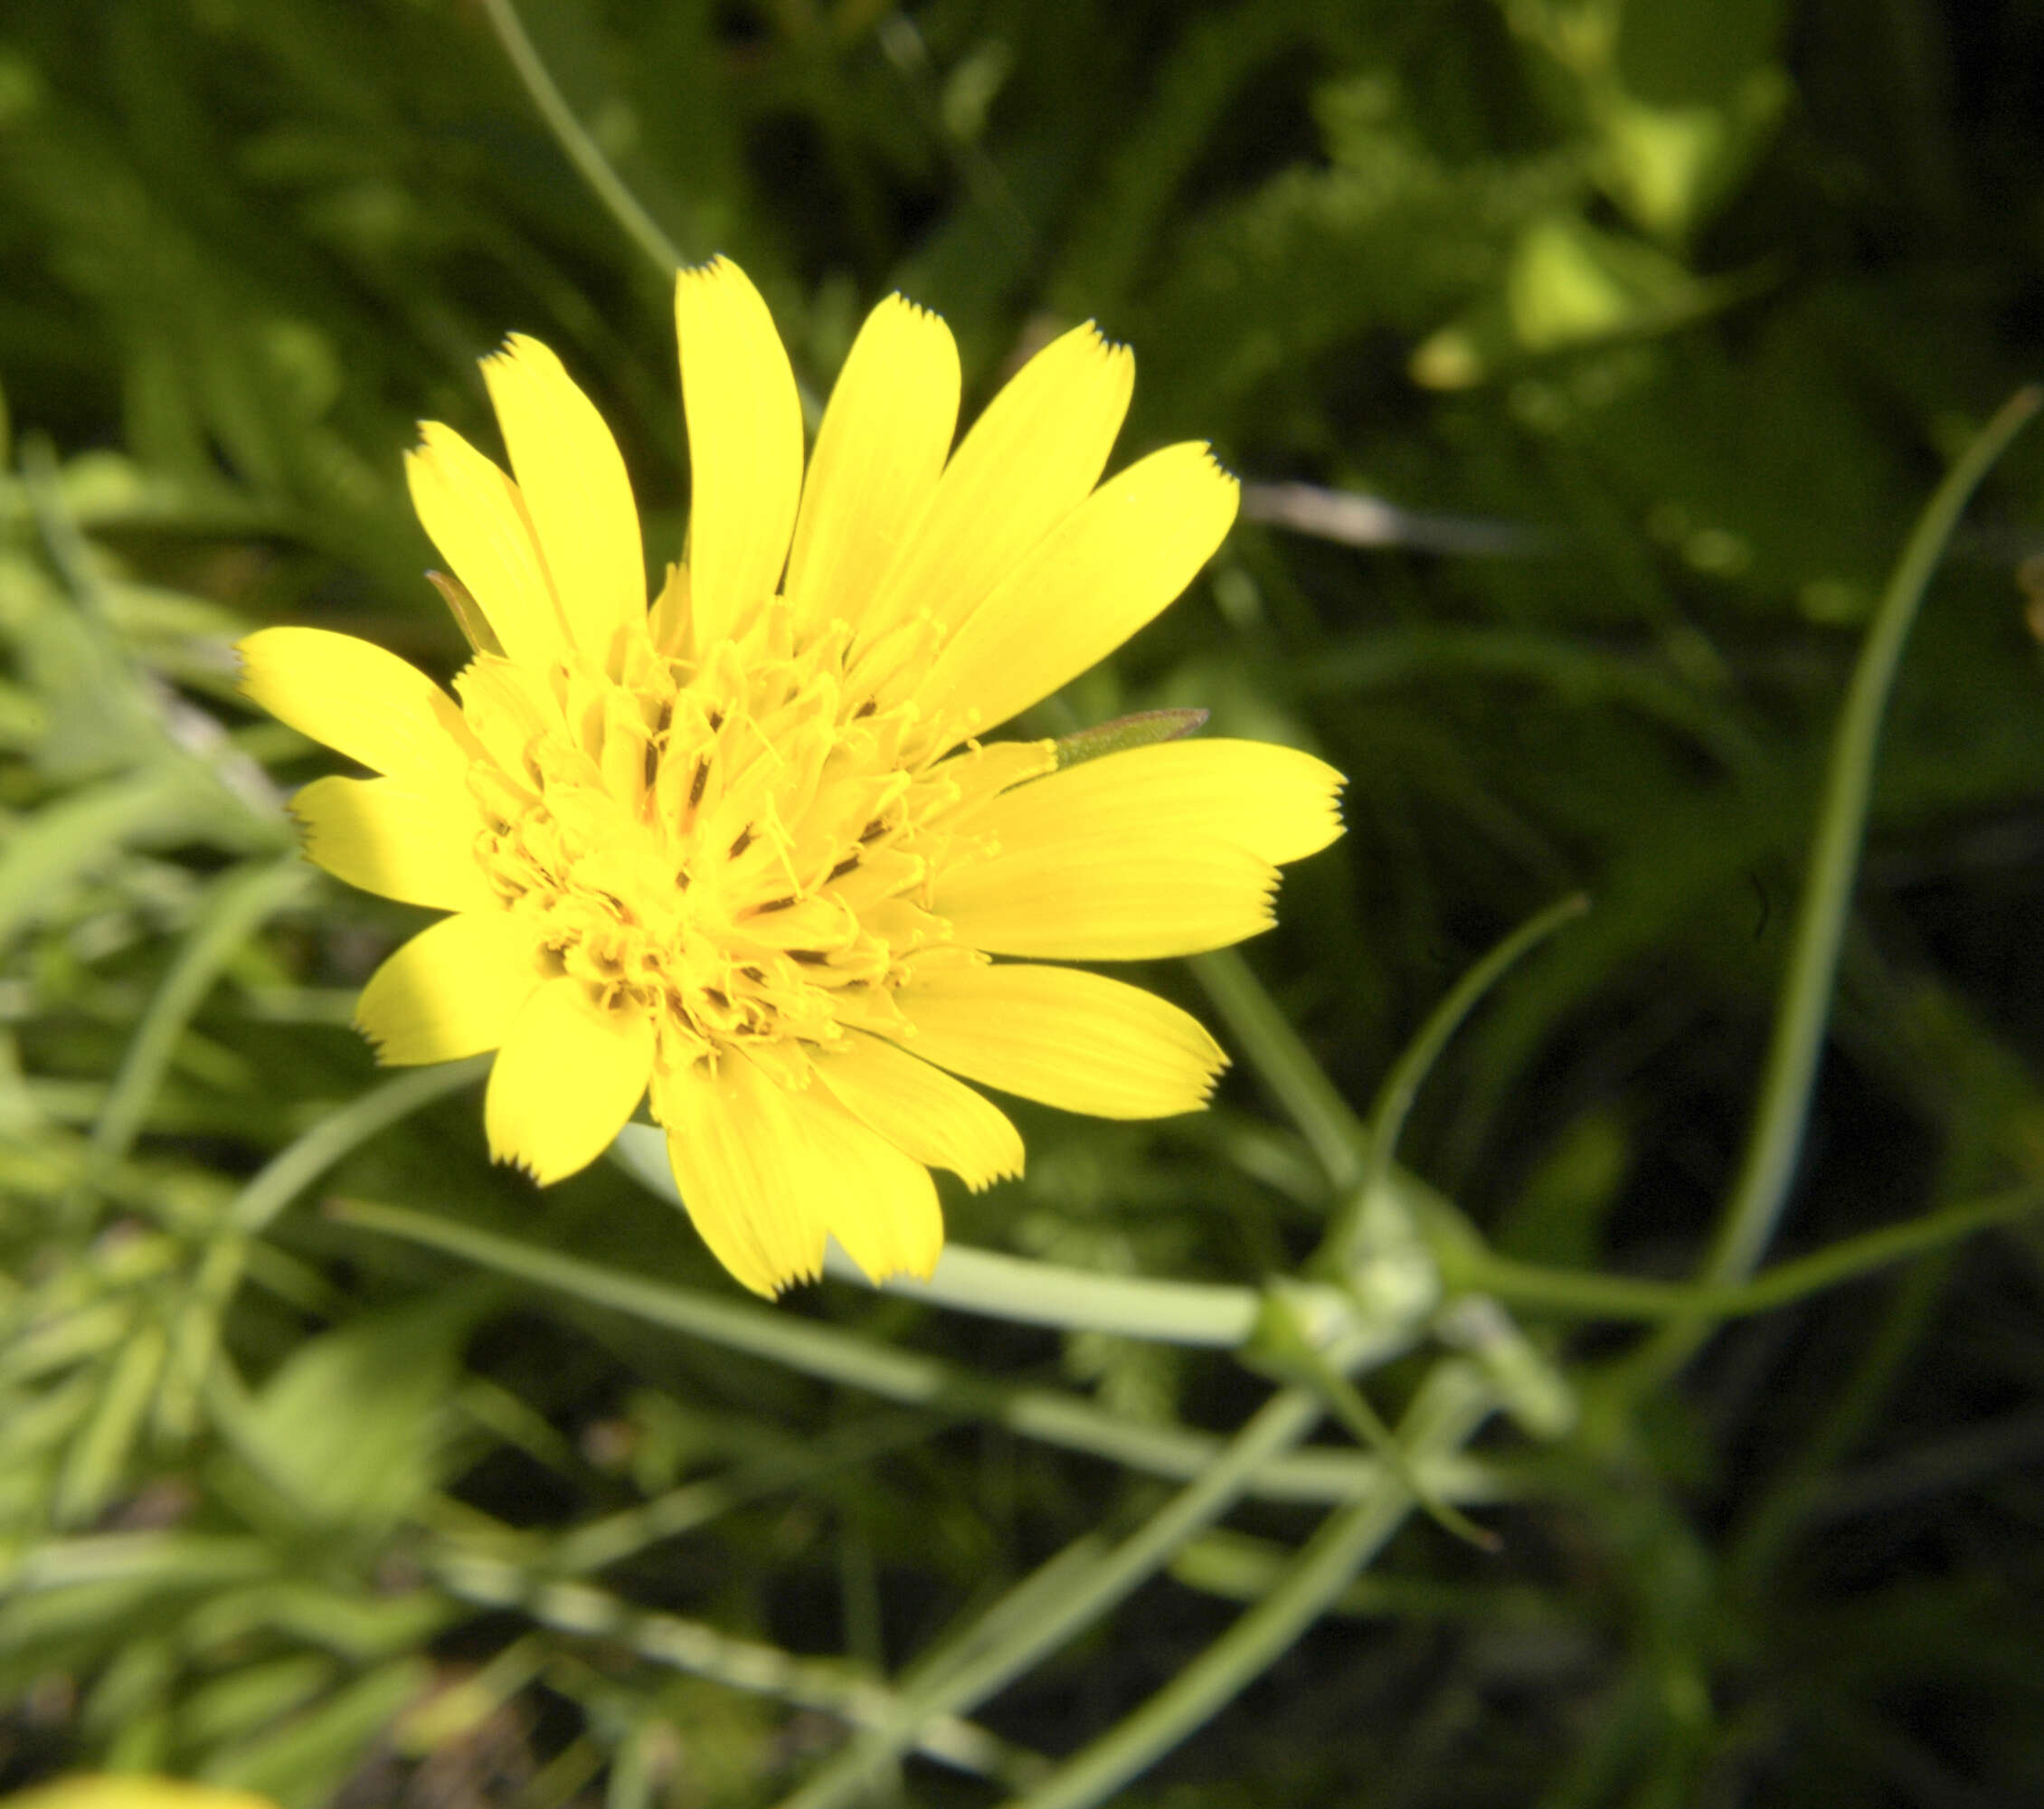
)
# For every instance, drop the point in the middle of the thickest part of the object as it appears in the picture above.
(1349, 1233)
(1761, 1190)
(574, 137)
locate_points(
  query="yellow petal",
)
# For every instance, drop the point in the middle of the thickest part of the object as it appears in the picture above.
(572, 479)
(878, 1202)
(569, 1074)
(1103, 572)
(1029, 461)
(1110, 898)
(355, 697)
(984, 770)
(452, 990)
(744, 445)
(922, 1111)
(1275, 802)
(409, 841)
(474, 513)
(1070, 1039)
(743, 1170)
(877, 458)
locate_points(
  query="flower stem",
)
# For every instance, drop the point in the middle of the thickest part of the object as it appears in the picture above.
(1027, 1292)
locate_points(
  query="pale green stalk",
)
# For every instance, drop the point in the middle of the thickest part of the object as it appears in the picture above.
(1761, 1190)
(1027, 1293)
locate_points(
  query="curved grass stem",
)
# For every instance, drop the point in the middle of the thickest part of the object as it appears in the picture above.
(580, 149)
(1761, 1190)
(1349, 1235)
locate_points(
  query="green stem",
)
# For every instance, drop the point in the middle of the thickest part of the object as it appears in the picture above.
(1015, 1288)
(1452, 1403)
(573, 137)
(1587, 1295)
(1761, 1190)
(1027, 1293)
(1349, 1234)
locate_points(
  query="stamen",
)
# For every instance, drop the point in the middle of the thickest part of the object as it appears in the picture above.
(744, 842)
(843, 866)
(701, 779)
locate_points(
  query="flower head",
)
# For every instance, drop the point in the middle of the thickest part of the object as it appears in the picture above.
(742, 853)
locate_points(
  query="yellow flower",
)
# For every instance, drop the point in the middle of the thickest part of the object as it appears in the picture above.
(106, 1790)
(742, 850)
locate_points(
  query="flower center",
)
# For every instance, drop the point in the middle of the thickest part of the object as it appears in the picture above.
(741, 844)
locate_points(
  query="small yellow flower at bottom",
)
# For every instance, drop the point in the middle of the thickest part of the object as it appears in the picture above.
(743, 851)
(115, 1790)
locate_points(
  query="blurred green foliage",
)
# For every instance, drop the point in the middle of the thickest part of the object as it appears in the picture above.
(1654, 320)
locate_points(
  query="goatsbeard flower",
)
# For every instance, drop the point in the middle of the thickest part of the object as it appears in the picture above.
(742, 853)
